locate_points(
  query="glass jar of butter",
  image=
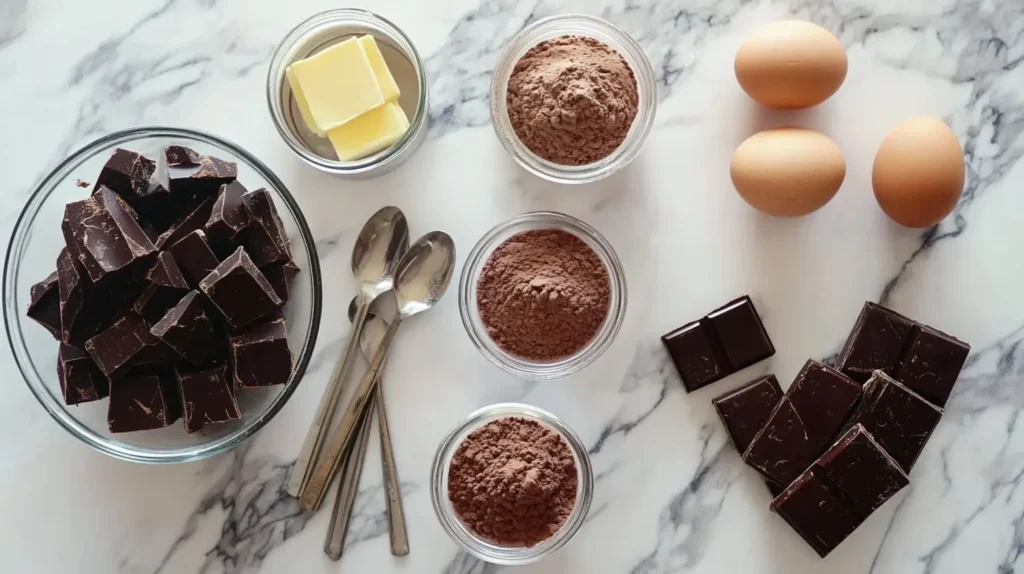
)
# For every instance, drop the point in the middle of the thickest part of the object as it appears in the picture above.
(319, 33)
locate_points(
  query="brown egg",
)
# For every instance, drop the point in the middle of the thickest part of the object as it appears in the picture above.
(918, 174)
(791, 65)
(787, 172)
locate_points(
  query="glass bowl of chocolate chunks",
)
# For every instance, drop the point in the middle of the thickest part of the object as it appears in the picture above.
(162, 295)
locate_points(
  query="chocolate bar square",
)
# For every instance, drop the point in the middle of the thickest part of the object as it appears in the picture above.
(265, 238)
(862, 470)
(142, 402)
(44, 304)
(127, 174)
(81, 304)
(228, 219)
(741, 333)
(187, 330)
(189, 186)
(819, 514)
(280, 277)
(104, 236)
(181, 156)
(194, 256)
(166, 287)
(260, 356)
(745, 410)
(206, 398)
(193, 220)
(240, 291)
(80, 380)
(876, 342)
(125, 344)
(694, 353)
(932, 363)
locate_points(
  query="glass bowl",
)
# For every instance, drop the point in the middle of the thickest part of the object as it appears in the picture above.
(519, 366)
(320, 32)
(480, 547)
(616, 38)
(31, 256)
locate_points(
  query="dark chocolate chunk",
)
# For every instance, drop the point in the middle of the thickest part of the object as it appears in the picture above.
(725, 341)
(876, 342)
(931, 364)
(44, 304)
(745, 410)
(818, 513)
(899, 419)
(280, 277)
(189, 185)
(194, 256)
(228, 219)
(127, 174)
(240, 291)
(207, 398)
(194, 220)
(80, 380)
(123, 345)
(265, 238)
(103, 234)
(260, 356)
(803, 423)
(143, 402)
(862, 470)
(181, 156)
(166, 287)
(81, 304)
(187, 330)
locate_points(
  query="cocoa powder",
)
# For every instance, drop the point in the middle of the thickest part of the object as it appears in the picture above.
(543, 294)
(572, 99)
(513, 481)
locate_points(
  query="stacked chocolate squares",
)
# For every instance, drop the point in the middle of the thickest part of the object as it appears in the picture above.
(842, 441)
(168, 295)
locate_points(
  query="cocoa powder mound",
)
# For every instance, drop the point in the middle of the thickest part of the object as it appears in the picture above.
(513, 481)
(543, 294)
(572, 99)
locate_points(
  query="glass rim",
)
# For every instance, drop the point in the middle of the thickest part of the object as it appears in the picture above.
(480, 547)
(19, 350)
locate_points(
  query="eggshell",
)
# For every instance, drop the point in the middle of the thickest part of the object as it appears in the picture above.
(787, 172)
(918, 175)
(791, 65)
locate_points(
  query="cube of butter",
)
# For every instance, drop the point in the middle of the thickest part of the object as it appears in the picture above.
(300, 102)
(369, 133)
(387, 82)
(337, 84)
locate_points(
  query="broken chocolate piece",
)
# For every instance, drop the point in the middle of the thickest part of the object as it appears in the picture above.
(187, 330)
(862, 470)
(190, 185)
(80, 380)
(819, 514)
(127, 174)
(876, 342)
(44, 304)
(166, 287)
(803, 423)
(240, 291)
(228, 219)
(265, 238)
(143, 402)
(745, 410)
(103, 234)
(280, 277)
(181, 156)
(725, 341)
(123, 345)
(81, 304)
(194, 256)
(260, 356)
(192, 221)
(932, 363)
(207, 398)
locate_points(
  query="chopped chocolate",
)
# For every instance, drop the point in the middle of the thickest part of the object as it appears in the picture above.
(207, 398)
(876, 342)
(280, 277)
(725, 341)
(187, 330)
(166, 287)
(745, 410)
(862, 470)
(189, 185)
(228, 219)
(932, 363)
(265, 238)
(800, 427)
(194, 256)
(260, 356)
(898, 418)
(81, 304)
(818, 513)
(181, 156)
(192, 221)
(143, 402)
(80, 380)
(123, 345)
(127, 174)
(44, 304)
(104, 236)
(240, 291)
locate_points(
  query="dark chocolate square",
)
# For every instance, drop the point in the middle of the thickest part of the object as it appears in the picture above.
(44, 304)
(862, 470)
(193, 220)
(932, 363)
(188, 331)
(240, 291)
(80, 380)
(819, 514)
(693, 350)
(265, 239)
(190, 185)
(166, 287)
(194, 256)
(181, 156)
(127, 174)
(745, 410)
(142, 402)
(228, 219)
(82, 305)
(102, 233)
(280, 277)
(125, 344)
(876, 342)
(260, 356)
(741, 334)
(206, 398)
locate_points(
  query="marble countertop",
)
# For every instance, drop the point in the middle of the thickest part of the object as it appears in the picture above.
(671, 493)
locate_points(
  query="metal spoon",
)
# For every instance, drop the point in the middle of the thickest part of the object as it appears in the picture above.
(421, 279)
(351, 466)
(375, 256)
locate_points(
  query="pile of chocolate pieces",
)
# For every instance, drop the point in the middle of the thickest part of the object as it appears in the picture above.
(841, 441)
(169, 293)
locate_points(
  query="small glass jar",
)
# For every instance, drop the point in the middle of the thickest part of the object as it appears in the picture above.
(483, 548)
(521, 366)
(614, 37)
(319, 33)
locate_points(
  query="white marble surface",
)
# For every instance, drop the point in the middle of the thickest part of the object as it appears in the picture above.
(671, 495)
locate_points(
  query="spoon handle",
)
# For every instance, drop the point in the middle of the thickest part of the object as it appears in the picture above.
(348, 487)
(312, 495)
(317, 433)
(392, 487)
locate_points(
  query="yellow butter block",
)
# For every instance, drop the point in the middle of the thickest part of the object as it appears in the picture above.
(300, 101)
(369, 133)
(380, 68)
(337, 84)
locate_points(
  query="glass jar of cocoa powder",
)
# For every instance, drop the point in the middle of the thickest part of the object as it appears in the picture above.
(469, 540)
